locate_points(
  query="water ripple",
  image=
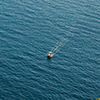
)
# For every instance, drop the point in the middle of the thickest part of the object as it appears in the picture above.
(30, 29)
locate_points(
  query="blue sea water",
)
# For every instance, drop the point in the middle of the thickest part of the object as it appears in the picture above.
(29, 29)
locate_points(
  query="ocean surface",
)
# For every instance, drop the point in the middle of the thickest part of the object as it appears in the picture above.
(29, 29)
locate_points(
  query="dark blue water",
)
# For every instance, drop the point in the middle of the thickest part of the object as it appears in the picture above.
(29, 29)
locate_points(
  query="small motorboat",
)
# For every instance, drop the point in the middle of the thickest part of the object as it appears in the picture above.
(50, 55)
